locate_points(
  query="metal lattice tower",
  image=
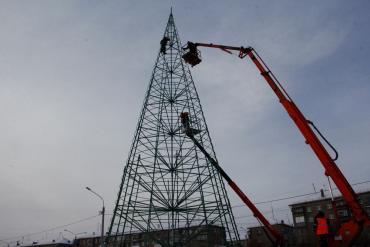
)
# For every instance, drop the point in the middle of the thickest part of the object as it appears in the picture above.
(167, 183)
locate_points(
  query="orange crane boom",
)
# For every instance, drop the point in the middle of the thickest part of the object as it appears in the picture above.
(348, 231)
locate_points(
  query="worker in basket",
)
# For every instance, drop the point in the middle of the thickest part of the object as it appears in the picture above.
(321, 228)
(192, 56)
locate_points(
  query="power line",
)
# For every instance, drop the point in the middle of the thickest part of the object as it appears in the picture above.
(264, 212)
(279, 199)
(296, 196)
(53, 228)
(236, 206)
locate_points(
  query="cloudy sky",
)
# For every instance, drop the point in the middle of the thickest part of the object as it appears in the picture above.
(73, 75)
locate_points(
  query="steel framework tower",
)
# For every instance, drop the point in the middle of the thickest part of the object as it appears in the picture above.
(169, 191)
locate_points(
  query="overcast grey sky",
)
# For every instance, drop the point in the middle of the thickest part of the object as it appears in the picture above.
(73, 75)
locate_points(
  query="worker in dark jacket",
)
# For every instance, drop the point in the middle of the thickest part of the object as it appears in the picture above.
(163, 43)
(321, 228)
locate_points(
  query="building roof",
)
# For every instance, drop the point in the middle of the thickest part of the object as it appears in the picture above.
(48, 242)
(277, 225)
(321, 199)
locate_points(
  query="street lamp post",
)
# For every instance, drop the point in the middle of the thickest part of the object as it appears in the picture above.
(102, 218)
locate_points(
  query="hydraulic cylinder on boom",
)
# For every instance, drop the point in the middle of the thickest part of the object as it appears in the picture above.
(348, 231)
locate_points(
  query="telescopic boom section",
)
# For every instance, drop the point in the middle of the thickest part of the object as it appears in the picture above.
(349, 230)
(190, 133)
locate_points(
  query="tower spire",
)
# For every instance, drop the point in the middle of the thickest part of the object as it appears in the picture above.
(169, 191)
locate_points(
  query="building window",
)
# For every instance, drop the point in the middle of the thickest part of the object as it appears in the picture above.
(331, 217)
(329, 206)
(299, 219)
(310, 219)
(343, 213)
(298, 210)
(318, 207)
(340, 203)
(368, 210)
(308, 209)
(202, 237)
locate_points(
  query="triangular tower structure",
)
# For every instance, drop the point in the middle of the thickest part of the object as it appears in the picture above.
(170, 195)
